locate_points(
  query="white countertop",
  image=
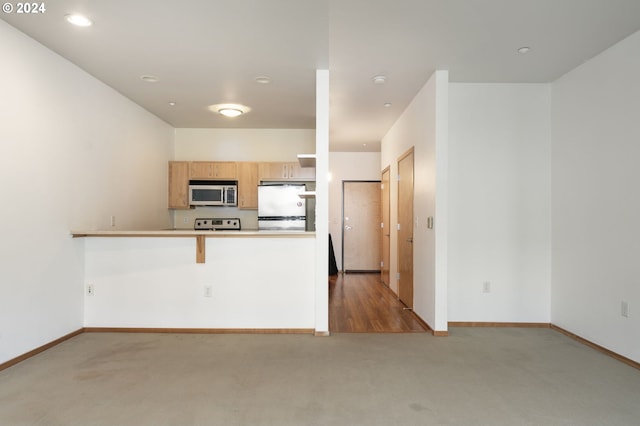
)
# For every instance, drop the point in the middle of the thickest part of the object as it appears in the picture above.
(192, 233)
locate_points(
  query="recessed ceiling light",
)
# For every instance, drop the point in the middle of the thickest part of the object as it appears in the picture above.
(78, 20)
(263, 79)
(387, 104)
(229, 110)
(379, 79)
(172, 103)
(149, 78)
(524, 49)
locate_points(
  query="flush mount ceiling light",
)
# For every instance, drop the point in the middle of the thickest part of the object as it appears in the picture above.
(229, 110)
(149, 78)
(263, 79)
(78, 20)
(524, 49)
(379, 79)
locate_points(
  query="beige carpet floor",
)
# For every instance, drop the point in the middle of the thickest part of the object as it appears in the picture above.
(476, 376)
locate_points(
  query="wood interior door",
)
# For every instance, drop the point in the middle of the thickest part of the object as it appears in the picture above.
(361, 226)
(385, 228)
(405, 228)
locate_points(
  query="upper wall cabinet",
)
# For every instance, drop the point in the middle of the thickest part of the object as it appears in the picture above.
(286, 171)
(213, 170)
(178, 184)
(297, 172)
(248, 175)
(247, 185)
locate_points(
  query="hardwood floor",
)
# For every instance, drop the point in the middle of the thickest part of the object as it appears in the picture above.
(360, 303)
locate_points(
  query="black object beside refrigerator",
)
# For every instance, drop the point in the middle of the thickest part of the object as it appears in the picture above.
(281, 208)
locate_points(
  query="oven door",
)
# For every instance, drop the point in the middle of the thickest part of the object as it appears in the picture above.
(206, 195)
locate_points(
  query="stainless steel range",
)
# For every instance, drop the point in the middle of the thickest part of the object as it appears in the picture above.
(217, 224)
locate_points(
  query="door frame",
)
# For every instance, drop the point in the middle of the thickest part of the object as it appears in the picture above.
(342, 216)
(385, 208)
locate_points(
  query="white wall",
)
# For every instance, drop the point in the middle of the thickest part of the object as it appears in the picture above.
(74, 152)
(499, 202)
(321, 246)
(347, 166)
(596, 200)
(156, 282)
(237, 145)
(423, 125)
(243, 144)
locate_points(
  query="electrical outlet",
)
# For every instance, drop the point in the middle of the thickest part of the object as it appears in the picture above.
(486, 287)
(208, 291)
(624, 309)
(113, 221)
(185, 220)
(90, 290)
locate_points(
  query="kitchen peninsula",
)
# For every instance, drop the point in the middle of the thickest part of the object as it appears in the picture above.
(261, 281)
(202, 280)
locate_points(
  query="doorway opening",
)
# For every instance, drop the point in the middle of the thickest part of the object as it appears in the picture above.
(361, 303)
(359, 299)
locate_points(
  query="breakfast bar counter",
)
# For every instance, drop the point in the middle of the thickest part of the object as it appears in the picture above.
(250, 280)
(192, 233)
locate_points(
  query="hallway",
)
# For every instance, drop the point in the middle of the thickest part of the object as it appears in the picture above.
(360, 303)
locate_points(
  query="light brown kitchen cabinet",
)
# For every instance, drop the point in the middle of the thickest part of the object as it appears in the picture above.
(285, 171)
(178, 184)
(247, 185)
(201, 170)
(273, 171)
(208, 170)
(225, 170)
(297, 172)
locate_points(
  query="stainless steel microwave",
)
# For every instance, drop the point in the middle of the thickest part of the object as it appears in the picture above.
(213, 194)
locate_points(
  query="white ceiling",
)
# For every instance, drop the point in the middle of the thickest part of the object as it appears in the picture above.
(209, 51)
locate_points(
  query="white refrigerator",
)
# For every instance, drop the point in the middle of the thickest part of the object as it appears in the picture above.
(281, 208)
